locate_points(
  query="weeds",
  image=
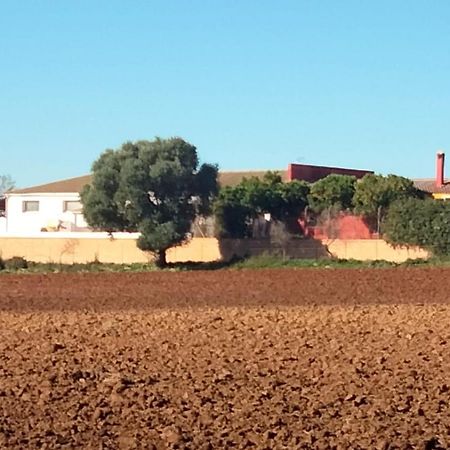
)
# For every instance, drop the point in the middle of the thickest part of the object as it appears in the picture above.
(265, 261)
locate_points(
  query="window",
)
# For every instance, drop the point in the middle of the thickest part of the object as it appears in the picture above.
(72, 206)
(30, 205)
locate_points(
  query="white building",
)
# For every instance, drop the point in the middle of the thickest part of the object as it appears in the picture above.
(48, 207)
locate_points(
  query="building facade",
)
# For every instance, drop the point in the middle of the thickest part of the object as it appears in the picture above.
(49, 207)
(56, 206)
(34, 213)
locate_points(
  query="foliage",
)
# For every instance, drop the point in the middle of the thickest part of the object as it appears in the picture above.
(6, 184)
(13, 264)
(375, 193)
(255, 262)
(232, 214)
(277, 262)
(237, 206)
(33, 267)
(293, 199)
(425, 223)
(332, 192)
(153, 187)
(16, 263)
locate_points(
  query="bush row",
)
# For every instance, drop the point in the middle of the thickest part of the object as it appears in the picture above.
(21, 264)
(425, 223)
(237, 206)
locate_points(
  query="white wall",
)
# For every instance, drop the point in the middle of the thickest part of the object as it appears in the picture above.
(50, 213)
(2, 224)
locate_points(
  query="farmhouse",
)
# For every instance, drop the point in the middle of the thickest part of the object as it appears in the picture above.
(56, 206)
(49, 207)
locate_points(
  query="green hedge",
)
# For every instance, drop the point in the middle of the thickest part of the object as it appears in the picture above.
(425, 223)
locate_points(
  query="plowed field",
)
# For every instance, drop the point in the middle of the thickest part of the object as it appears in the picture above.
(310, 358)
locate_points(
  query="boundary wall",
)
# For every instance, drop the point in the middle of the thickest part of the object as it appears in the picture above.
(120, 249)
(372, 250)
(69, 248)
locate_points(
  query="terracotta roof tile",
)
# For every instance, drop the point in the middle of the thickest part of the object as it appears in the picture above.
(429, 185)
(63, 186)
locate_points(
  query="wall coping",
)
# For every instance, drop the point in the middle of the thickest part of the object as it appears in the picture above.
(70, 235)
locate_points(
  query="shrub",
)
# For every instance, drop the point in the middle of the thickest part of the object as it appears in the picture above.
(425, 223)
(16, 263)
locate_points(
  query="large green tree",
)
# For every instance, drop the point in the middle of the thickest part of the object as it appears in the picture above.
(332, 192)
(152, 187)
(375, 193)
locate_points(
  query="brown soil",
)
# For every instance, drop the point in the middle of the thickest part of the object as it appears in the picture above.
(250, 359)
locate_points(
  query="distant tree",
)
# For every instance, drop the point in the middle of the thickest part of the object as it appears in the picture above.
(233, 215)
(332, 192)
(425, 223)
(6, 184)
(152, 187)
(375, 193)
(270, 194)
(236, 207)
(292, 200)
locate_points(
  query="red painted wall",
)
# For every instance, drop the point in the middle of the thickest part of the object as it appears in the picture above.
(313, 173)
(344, 226)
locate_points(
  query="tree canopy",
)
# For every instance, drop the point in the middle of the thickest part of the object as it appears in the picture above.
(237, 206)
(334, 191)
(375, 192)
(152, 187)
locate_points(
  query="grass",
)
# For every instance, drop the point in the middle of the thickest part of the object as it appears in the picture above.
(265, 261)
(95, 266)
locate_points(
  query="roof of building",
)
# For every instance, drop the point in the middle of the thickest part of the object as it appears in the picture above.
(311, 173)
(73, 185)
(234, 178)
(63, 186)
(228, 178)
(429, 185)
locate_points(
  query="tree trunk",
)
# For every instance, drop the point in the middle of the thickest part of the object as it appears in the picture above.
(160, 259)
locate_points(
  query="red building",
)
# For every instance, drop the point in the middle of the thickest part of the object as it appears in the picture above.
(312, 174)
(343, 226)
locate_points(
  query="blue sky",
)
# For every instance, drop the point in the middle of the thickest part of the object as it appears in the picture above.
(254, 84)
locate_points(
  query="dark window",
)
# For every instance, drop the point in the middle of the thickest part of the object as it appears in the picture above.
(72, 206)
(30, 205)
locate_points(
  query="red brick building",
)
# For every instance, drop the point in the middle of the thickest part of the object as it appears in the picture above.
(312, 174)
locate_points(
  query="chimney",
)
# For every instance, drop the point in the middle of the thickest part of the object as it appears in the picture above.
(440, 180)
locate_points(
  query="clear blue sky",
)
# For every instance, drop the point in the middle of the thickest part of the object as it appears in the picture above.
(254, 84)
